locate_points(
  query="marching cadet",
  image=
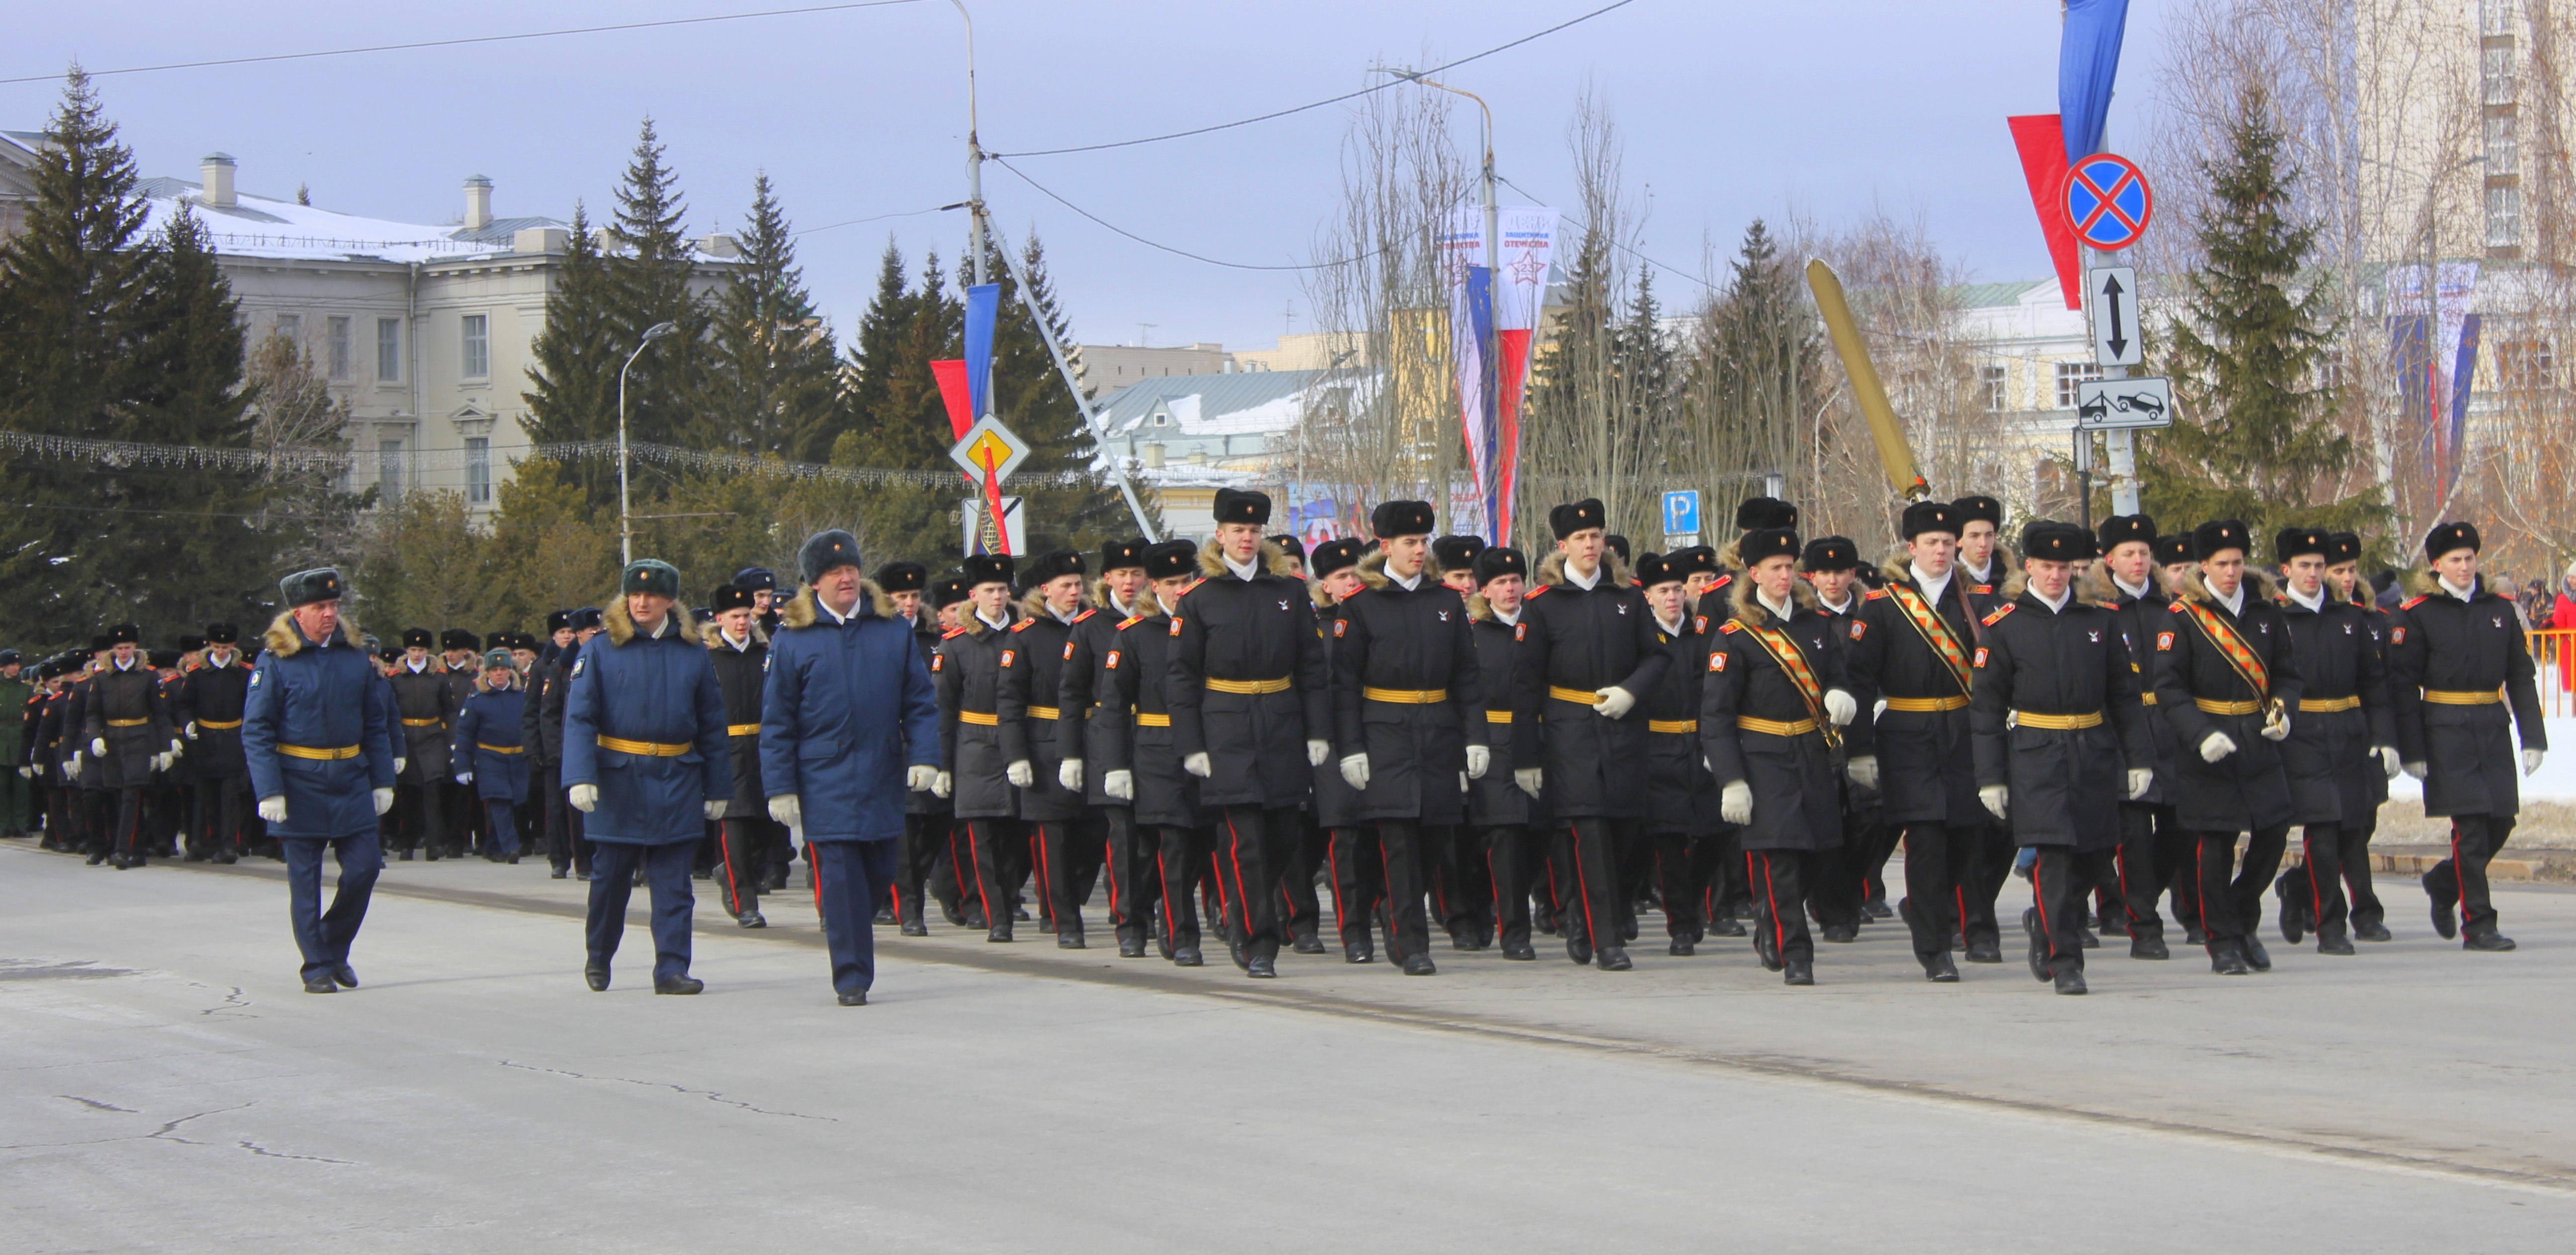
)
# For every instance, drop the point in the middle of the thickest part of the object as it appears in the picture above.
(313, 701)
(762, 583)
(459, 652)
(1408, 715)
(128, 730)
(19, 695)
(2174, 560)
(94, 806)
(645, 761)
(1981, 522)
(2456, 658)
(1681, 799)
(567, 843)
(1912, 646)
(2342, 746)
(949, 597)
(2344, 584)
(848, 726)
(211, 711)
(488, 755)
(907, 584)
(1455, 558)
(1717, 863)
(972, 765)
(1036, 740)
(427, 708)
(1354, 854)
(2227, 685)
(1249, 691)
(1504, 817)
(2151, 847)
(1137, 754)
(740, 652)
(1294, 550)
(1587, 649)
(1773, 701)
(1126, 855)
(1831, 566)
(2051, 670)
(173, 786)
(44, 757)
(1462, 880)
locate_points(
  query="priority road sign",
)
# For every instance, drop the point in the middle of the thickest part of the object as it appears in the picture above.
(1681, 512)
(2108, 404)
(2111, 296)
(2108, 201)
(989, 449)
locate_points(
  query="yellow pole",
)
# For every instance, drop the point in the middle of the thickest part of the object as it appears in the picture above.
(1893, 452)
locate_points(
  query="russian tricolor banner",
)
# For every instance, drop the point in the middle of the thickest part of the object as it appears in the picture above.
(1493, 314)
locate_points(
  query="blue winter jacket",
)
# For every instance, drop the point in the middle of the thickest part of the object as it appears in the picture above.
(318, 698)
(646, 691)
(847, 707)
(488, 743)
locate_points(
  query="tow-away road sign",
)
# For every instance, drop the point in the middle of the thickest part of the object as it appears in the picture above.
(991, 449)
(2104, 404)
(2111, 292)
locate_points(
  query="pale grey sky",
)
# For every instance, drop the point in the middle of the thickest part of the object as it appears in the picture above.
(1732, 109)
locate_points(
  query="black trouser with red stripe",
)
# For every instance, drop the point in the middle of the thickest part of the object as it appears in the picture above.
(2336, 856)
(1462, 889)
(1935, 853)
(737, 867)
(1180, 863)
(415, 815)
(1401, 845)
(2144, 864)
(1592, 914)
(1359, 884)
(2231, 907)
(1720, 856)
(223, 806)
(1778, 880)
(2475, 839)
(1878, 845)
(1681, 881)
(1508, 865)
(985, 868)
(1251, 844)
(1069, 854)
(130, 834)
(1128, 860)
(1981, 867)
(1301, 912)
(2057, 884)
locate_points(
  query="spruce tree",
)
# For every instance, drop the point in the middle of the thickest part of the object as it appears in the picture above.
(2255, 438)
(648, 282)
(572, 384)
(899, 420)
(1031, 397)
(776, 385)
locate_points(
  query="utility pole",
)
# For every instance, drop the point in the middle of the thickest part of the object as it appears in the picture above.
(1446, 450)
(974, 152)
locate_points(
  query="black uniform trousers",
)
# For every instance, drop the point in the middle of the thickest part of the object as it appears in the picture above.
(2150, 852)
(131, 834)
(1878, 845)
(1127, 859)
(2057, 890)
(1935, 855)
(1728, 898)
(1508, 864)
(2231, 907)
(2334, 857)
(223, 805)
(1069, 854)
(323, 930)
(1778, 881)
(96, 811)
(1251, 844)
(1594, 915)
(924, 837)
(1839, 893)
(848, 877)
(464, 822)
(1180, 863)
(737, 875)
(1461, 883)
(1358, 867)
(2475, 839)
(416, 818)
(986, 870)
(1681, 882)
(58, 817)
(666, 869)
(1981, 876)
(566, 847)
(1403, 848)
(1301, 912)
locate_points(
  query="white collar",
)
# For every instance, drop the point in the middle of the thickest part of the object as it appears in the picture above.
(1933, 588)
(1979, 574)
(2235, 605)
(1407, 585)
(416, 667)
(1060, 616)
(1673, 628)
(2138, 593)
(2057, 606)
(740, 646)
(1840, 607)
(2455, 590)
(2312, 603)
(1777, 610)
(979, 618)
(228, 659)
(662, 627)
(1586, 583)
(1123, 610)
(1514, 618)
(127, 665)
(1242, 570)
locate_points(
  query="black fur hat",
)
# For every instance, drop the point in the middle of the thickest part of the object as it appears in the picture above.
(1118, 554)
(2449, 536)
(731, 597)
(1171, 558)
(417, 638)
(1053, 564)
(1331, 556)
(1566, 520)
(1760, 513)
(2173, 549)
(1457, 553)
(2055, 541)
(1497, 561)
(222, 634)
(1768, 542)
(2294, 541)
(988, 568)
(823, 551)
(2342, 547)
(460, 639)
(587, 619)
(1971, 509)
(555, 622)
(1831, 553)
(900, 577)
(1242, 505)
(1401, 518)
(1929, 516)
(2120, 529)
(1654, 568)
(1696, 560)
(1290, 546)
(948, 592)
(758, 579)
(2216, 535)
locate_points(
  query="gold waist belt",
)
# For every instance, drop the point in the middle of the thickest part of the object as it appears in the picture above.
(1682, 725)
(2246, 707)
(1148, 719)
(2058, 723)
(1926, 705)
(326, 755)
(2147, 698)
(1580, 697)
(742, 729)
(2453, 697)
(649, 749)
(127, 723)
(2328, 705)
(500, 749)
(1280, 685)
(979, 719)
(219, 725)
(1045, 712)
(1774, 726)
(422, 723)
(1405, 697)
(1498, 716)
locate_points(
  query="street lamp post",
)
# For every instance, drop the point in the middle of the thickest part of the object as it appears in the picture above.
(1493, 266)
(625, 528)
(974, 152)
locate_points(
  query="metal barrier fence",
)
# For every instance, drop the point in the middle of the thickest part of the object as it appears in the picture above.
(2553, 651)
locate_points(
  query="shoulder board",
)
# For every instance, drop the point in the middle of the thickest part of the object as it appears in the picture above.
(1538, 591)
(1874, 594)
(1086, 614)
(952, 634)
(1981, 588)
(1723, 580)
(1130, 621)
(1998, 615)
(2108, 604)
(2174, 607)
(1024, 625)
(1730, 626)
(2409, 603)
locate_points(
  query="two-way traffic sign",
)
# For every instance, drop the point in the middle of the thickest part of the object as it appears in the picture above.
(2111, 297)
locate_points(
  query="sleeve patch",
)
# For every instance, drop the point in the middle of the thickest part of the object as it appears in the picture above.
(1068, 651)
(1112, 664)
(1700, 625)
(1859, 629)
(2164, 640)
(1717, 661)
(938, 662)
(2396, 636)
(1520, 632)
(1340, 626)
(1176, 625)
(1981, 655)
(1009, 656)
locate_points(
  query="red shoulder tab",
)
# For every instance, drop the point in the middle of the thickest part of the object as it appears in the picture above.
(1723, 580)
(1998, 615)
(952, 634)
(1024, 625)
(2108, 605)
(2174, 607)
(2409, 603)
(1730, 626)
(1086, 614)
(1538, 591)
(1874, 594)
(1130, 621)
(1981, 588)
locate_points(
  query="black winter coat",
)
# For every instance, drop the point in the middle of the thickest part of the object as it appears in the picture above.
(125, 710)
(1249, 685)
(2463, 650)
(1797, 798)
(740, 675)
(1077, 692)
(2344, 714)
(2140, 618)
(925, 640)
(1496, 801)
(1406, 692)
(1681, 797)
(1574, 641)
(967, 671)
(2065, 784)
(213, 700)
(1034, 727)
(2247, 789)
(1926, 759)
(428, 709)
(1133, 727)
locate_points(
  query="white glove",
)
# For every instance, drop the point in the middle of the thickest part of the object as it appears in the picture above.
(1120, 785)
(273, 809)
(98, 746)
(177, 747)
(584, 797)
(1615, 702)
(192, 729)
(715, 809)
(1197, 765)
(1462, 782)
(385, 800)
(1735, 803)
(788, 810)
(399, 764)
(1840, 707)
(2141, 779)
(161, 761)
(2531, 760)
(1530, 779)
(465, 777)
(2278, 729)
(2416, 770)
(28, 773)
(1021, 773)
(1355, 771)
(2216, 746)
(916, 779)
(1997, 797)
(73, 768)
(2388, 761)
(1069, 774)
(1318, 753)
(1863, 771)
(944, 785)
(1479, 760)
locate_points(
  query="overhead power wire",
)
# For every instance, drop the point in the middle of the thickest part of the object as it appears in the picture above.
(1177, 252)
(1333, 100)
(1578, 221)
(470, 39)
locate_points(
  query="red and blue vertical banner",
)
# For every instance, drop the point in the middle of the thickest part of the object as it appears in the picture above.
(966, 384)
(2088, 63)
(2433, 341)
(1494, 314)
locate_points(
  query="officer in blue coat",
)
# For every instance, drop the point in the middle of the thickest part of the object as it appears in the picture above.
(645, 761)
(490, 753)
(321, 754)
(848, 724)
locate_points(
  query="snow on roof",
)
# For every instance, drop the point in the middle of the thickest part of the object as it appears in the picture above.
(261, 226)
(1239, 403)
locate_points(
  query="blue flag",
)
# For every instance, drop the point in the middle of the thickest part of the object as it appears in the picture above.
(2088, 59)
(983, 306)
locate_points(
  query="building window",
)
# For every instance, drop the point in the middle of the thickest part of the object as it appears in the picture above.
(2504, 154)
(291, 327)
(388, 349)
(2498, 17)
(2527, 366)
(478, 346)
(1992, 385)
(2071, 374)
(389, 470)
(2497, 71)
(336, 335)
(2504, 216)
(478, 470)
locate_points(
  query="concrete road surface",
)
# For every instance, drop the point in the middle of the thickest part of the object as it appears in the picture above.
(169, 1087)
